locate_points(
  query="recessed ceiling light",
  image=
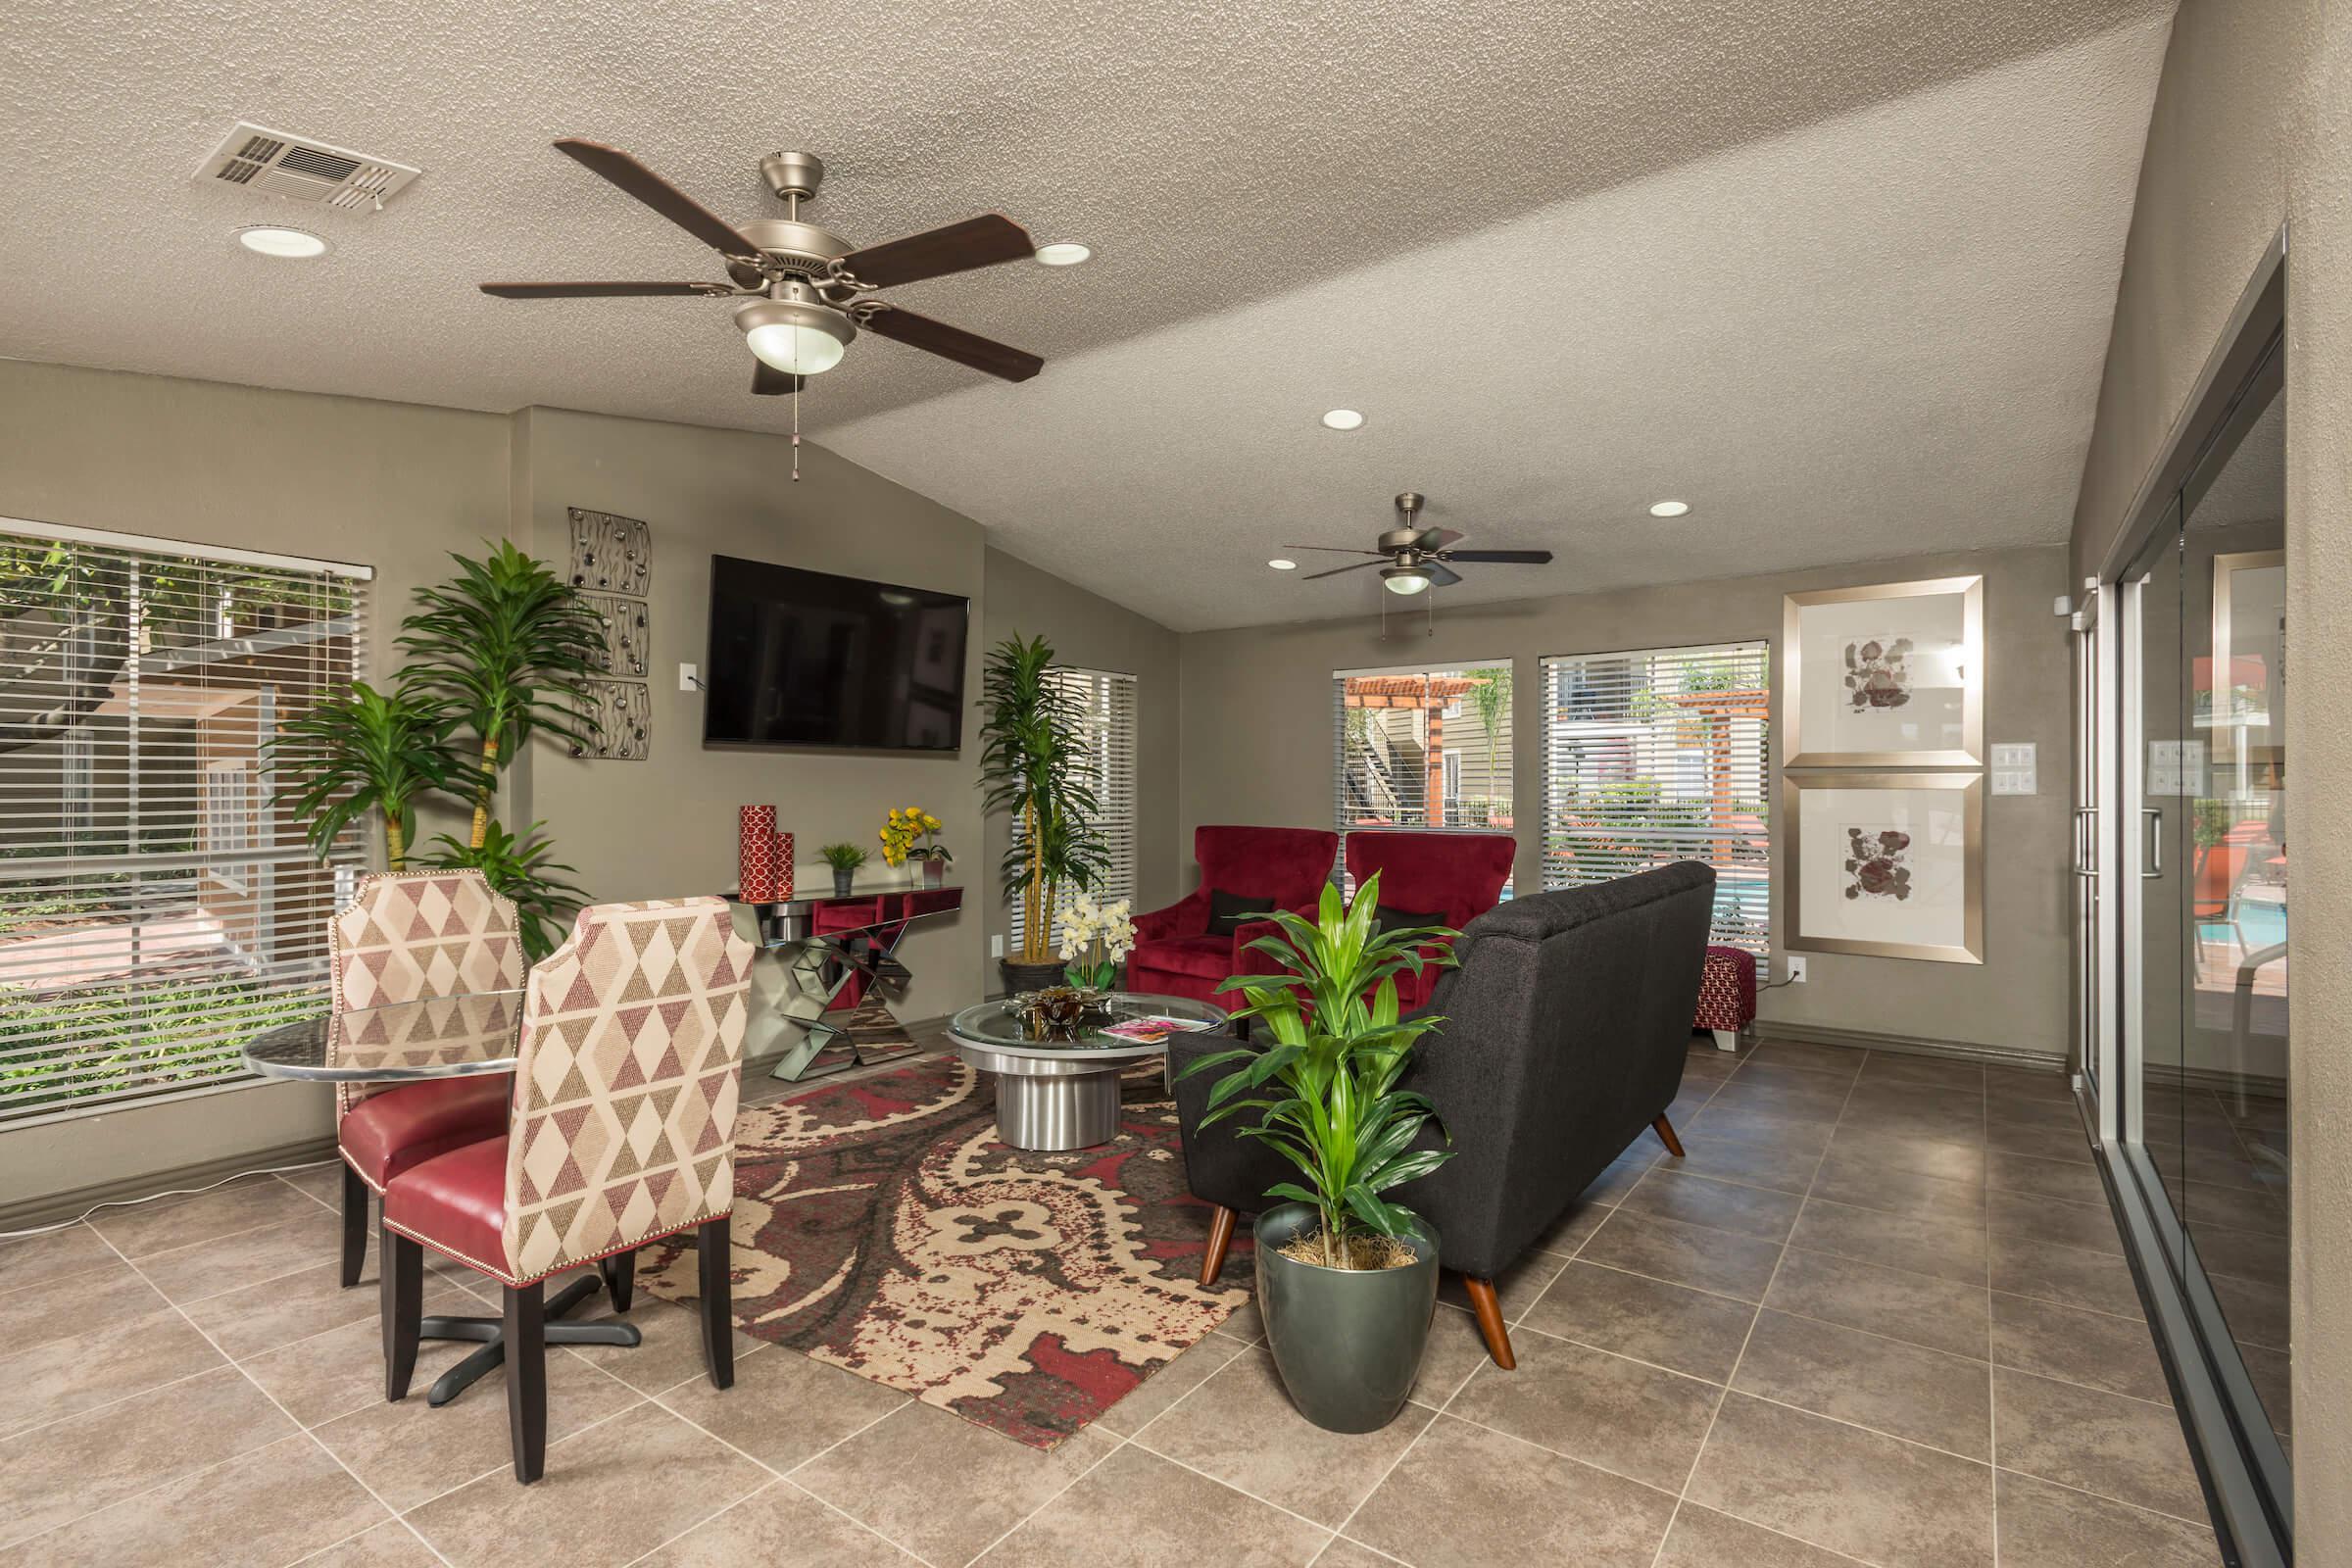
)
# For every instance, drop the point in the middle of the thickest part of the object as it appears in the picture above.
(1280, 564)
(266, 240)
(1342, 420)
(1668, 508)
(1064, 253)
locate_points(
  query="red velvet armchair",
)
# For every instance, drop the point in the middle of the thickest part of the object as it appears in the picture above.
(1443, 879)
(1273, 867)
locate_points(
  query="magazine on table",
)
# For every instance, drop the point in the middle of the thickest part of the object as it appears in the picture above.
(1151, 1031)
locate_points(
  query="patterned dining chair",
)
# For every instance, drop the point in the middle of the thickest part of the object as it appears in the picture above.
(406, 936)
(624, 1133)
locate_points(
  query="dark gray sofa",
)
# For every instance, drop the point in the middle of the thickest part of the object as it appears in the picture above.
(1564, 1033)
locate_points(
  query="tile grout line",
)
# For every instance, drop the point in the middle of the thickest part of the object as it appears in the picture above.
(1115, 1447)
(1715, 1415)
(255, 1385)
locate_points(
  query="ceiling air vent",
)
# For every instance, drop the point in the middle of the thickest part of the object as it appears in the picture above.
(260, 159)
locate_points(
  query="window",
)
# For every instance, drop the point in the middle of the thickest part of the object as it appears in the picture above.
(1661, 756)
(1422, 749)
(1106, 702)
(156, 910)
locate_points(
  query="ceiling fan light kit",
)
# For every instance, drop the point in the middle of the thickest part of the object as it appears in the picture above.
(794, 331)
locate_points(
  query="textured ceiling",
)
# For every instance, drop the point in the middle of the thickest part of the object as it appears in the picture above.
(1563, 253)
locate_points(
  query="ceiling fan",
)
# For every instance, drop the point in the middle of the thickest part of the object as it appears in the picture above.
(1413, 559)
(805, 292)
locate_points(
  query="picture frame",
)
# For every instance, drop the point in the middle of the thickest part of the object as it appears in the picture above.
(1884, 864)
(1885, 676)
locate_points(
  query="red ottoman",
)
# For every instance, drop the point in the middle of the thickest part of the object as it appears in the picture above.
(1727, 994)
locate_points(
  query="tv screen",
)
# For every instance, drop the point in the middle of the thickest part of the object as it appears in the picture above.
(807, 659)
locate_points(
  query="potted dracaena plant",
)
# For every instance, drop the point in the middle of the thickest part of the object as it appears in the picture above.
(1035, 765)
(1347, 1280)
(507, 649)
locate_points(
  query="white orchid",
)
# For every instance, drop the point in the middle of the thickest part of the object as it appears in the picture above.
(1093, 938)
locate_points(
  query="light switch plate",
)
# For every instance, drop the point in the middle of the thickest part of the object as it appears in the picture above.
(2013, 769)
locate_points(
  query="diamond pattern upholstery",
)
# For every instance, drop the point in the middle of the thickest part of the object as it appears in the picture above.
(625, 1088)
(409, 935)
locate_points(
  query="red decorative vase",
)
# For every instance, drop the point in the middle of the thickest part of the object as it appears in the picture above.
(756, 853)
(783, 867)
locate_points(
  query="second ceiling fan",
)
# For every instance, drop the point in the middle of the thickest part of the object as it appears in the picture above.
(804, 292)
(1413, 560)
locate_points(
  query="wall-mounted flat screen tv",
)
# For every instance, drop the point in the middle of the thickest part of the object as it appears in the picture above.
(807, 659)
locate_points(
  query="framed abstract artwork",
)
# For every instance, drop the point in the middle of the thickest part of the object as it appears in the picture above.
(1885, 865)
(1891, 675)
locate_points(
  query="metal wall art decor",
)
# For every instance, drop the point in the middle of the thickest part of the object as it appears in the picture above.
(611, 554)
(627, 637)
(611, 564)
(1886, 864)
(1891, 675)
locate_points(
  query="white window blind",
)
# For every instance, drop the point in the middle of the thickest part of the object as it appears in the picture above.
(1105, 703)
(156, 910)
(1422, 748)
(1658, 755)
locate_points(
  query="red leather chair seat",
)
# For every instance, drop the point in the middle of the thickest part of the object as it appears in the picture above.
(390, 1133)
(1207, 958)
(457, 1203)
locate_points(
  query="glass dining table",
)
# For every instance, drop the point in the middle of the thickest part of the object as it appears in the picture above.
(407, 1042)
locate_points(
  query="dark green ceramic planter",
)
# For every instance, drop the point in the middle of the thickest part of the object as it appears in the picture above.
(1348, 1344)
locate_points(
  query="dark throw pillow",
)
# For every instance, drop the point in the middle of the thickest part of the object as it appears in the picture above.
(1386, 919)
(1228, 912)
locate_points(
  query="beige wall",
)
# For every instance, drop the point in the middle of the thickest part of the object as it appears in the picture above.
(1257, 747)
(2249, 132)
(1096, 634)
(397, 487)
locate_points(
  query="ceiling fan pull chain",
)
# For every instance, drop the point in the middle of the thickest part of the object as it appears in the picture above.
(796, 435)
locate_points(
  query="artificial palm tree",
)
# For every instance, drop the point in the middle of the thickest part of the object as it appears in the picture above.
(519, 867)
(509, 648)
(369, 751)
(1034, 763)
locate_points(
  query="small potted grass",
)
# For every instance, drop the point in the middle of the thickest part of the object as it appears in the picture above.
(845, 860)
(1347, 1281)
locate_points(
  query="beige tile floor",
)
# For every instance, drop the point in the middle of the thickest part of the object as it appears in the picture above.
(1864, 1321)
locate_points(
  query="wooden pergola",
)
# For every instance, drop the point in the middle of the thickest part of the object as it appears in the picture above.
(1430, 694)
(1716, 711)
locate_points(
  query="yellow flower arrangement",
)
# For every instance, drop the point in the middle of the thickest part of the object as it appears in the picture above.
(901, 831)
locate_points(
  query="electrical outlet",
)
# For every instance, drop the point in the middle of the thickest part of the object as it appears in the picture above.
(687, 680)
(996, 947)
(1797, 971)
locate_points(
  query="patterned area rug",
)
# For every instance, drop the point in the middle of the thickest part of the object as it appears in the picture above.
(881, 1227)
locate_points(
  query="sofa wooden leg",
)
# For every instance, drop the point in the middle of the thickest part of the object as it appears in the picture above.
(1665, 1132)
(716, 1264)
(527, 1379)
(1220, 1238)
(355, 1225)
(400, 1279)
(1490, 1326)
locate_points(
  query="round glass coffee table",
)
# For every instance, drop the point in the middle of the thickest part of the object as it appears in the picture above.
(1059, 1090)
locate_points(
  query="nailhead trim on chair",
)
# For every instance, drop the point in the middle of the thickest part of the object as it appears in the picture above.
(511, 1283)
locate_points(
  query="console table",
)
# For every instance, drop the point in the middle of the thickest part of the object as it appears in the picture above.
(816, 945)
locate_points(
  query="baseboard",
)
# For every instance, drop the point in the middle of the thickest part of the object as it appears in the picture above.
(50, 1207)
(1908, 1044)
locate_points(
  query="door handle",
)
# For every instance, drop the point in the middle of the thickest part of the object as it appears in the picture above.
(2154, 842)
(2087, 838)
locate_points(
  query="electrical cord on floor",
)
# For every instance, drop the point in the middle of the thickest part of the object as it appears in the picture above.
(176, 1192)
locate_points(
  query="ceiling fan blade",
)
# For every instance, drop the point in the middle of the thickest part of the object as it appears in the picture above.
(1435, 539)
(770, 382)
(981, 241)
(1336, 549)
(1439, 575)
(659, 194)
(598, 291)
(1508, 557)
(952, 343)
(1336, 570)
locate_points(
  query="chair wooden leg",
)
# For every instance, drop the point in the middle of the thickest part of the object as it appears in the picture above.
(714, 1247)
(355, 1225)
(400, 1277)
(1665, 1132)
(620, 1278)
(1490, 1326)
(1220, 1238)
(527, 1379)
